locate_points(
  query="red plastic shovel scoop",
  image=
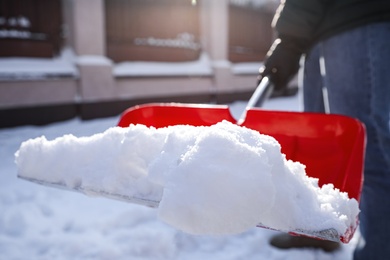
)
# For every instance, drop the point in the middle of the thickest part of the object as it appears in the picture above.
(331, 146)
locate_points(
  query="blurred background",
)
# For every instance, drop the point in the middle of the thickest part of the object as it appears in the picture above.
(61, 59)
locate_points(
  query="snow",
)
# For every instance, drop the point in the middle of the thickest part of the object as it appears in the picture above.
(200, 67)
(250, 68)
(183, 40)
(93, 60)
(65, 65)
(222, 179)
(271, 4)
(45, 223)
(39, 68)
(257, 3)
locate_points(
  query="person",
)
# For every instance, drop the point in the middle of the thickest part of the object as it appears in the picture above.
(343, 47)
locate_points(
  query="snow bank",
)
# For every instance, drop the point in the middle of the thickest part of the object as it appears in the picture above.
(222, 179)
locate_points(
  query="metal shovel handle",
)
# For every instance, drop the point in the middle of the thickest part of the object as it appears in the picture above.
(260, 95)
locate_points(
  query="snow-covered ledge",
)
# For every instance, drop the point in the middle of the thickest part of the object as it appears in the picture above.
(200, 67)
(95, 60)
(246, 68)
(38, 68)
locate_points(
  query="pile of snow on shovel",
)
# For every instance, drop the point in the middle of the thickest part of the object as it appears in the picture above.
(222, 179)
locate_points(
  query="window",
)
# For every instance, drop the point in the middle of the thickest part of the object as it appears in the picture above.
(150, 30)
(30, 28)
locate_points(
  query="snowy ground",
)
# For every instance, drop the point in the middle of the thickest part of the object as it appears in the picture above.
(38, 222)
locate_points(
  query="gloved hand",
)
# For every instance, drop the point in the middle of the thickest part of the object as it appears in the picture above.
(282, 62)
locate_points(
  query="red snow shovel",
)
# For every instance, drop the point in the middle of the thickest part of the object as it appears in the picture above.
(331, 146)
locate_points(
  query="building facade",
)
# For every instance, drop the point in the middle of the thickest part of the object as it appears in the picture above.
(94, 58)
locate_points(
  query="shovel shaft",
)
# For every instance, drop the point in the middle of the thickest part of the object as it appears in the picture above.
(259, 96)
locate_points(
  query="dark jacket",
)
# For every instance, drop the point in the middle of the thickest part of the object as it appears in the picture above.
(310, 21)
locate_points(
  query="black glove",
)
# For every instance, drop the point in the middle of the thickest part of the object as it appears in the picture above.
(282, 61)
